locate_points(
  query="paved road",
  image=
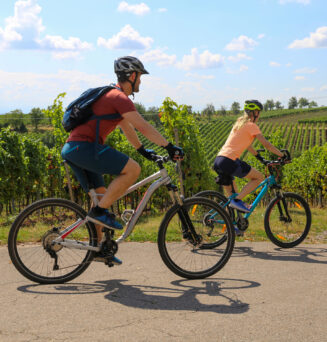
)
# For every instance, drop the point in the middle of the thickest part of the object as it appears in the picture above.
(262, 294)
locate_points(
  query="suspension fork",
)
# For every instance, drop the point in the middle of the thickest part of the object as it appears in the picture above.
(281, 196)
(187, 225)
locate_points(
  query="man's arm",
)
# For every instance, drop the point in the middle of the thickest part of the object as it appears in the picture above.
(130, 133)
(137, 121)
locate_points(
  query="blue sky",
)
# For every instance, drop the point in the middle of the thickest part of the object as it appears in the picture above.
(196, 52)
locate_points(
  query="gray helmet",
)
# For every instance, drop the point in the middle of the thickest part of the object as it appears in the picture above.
(129, 64)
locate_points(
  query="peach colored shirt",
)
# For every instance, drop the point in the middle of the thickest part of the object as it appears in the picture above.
(238, 141)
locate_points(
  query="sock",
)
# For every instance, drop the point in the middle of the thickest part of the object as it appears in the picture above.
(98, 211)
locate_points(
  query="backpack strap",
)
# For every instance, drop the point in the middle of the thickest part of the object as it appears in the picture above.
(112, 116)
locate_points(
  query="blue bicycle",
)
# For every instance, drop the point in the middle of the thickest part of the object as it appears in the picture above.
(287, 219)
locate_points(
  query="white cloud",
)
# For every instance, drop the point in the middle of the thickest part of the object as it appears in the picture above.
(309, 89)
(299, 78)
(274, 64)
(66, 55)
(237, 71)
(241, 43)
(289, 65)
(316, 39)
(158, 56)
(161, 10)
(39, 90)
(23, 31)
(127, 38)
(139, 9)
(243, 68)
(24, 27)
(206, 60)
(305, 70)
(238, 57)
(200, 77)
(59, 43)
(261, 36)
(304, 2)
(324, 87)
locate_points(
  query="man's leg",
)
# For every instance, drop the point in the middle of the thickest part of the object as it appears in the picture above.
(121, 183)
(117, 188)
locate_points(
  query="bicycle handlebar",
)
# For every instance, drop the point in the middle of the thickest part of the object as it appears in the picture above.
(280, 161)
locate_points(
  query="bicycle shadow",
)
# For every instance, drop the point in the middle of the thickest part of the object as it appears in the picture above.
(314, 255)
(183, 295)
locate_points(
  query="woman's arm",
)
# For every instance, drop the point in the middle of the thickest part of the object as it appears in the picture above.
(267, 145)
(252, 150)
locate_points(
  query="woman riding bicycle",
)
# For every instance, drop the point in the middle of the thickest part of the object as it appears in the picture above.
(227, 162)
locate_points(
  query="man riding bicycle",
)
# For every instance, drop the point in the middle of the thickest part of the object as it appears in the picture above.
(90, 161)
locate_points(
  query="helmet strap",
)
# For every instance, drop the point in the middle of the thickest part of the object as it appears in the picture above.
(133, 83)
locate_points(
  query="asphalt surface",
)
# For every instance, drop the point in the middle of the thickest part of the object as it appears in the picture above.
(263, 294)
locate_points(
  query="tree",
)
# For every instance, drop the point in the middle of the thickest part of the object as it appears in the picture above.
(303, 102)
(140, 108)
(292, 103)
(313, 104)
(222, 111)
(16, 118)
(56, 113)
(209, 111)
(178, 121)
(269, 105)
(235, 108)
(278, 105)
(36, 116)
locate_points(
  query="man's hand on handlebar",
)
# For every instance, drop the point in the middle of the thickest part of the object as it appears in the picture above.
(147, 153)
(175, 152)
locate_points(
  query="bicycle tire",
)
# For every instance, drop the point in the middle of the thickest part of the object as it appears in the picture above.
(292, 233)
(33, 230)
(189, 258)
(221, 200)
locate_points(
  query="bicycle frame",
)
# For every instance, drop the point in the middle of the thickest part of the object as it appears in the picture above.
(265, 185)
(162, 179)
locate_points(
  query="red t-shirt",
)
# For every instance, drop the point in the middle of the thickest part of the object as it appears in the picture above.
(115, 101)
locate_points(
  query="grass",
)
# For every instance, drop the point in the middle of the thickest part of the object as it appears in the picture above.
(146, 229)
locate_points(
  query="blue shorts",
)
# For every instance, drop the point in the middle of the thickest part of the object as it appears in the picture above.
(90, 161)
(234, 168)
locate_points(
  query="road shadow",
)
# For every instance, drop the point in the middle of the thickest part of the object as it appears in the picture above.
(182, 295)
(313, 255)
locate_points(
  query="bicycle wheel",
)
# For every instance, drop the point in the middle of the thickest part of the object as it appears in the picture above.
(221, 200)
(29, 241)
(180, 255)
(287, 220)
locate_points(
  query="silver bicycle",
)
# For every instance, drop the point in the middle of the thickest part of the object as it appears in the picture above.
(52, 241)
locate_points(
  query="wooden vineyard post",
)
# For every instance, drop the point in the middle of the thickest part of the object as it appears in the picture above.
(71, 194)
(179, 168)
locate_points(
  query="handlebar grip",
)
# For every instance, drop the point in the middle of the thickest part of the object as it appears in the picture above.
(261, 150)
(287, 153)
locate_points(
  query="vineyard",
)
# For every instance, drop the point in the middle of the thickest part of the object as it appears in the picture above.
(298, 137)
(30, 170)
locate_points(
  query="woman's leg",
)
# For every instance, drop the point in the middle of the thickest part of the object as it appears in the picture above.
(255, 178)
(228, 189)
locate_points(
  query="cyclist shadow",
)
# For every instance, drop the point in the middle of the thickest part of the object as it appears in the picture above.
(314, 255)
(183, 295)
